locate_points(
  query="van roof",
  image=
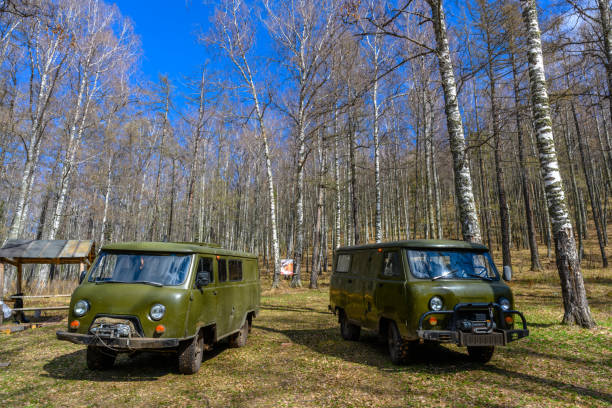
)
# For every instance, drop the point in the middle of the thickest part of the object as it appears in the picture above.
(420, 244)
(179, 247)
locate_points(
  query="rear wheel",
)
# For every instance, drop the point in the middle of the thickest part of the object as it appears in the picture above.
(190, 355)
(481, 354)
(99, 358)
(399, 349)
(239, 339)
(348, 330)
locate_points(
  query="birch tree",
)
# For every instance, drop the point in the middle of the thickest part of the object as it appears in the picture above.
(235, 35)
(468, 216)
(306, 31)
(568, 265)
(46, 64)
(95, 51)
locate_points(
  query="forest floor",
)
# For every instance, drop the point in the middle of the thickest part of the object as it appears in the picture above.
(296, 357)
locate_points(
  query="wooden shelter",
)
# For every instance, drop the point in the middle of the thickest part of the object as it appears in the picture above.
(57, 252)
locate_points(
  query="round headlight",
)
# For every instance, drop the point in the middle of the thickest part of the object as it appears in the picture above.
(435, 303)
(157, 311)
(504, 303)
(80, 308)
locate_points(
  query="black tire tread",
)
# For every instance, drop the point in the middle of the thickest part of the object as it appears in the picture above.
(190, 355)
(348, 331)
(239, 339)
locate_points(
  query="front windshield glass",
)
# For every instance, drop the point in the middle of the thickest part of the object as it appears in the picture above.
(451, 265)
(166, 269)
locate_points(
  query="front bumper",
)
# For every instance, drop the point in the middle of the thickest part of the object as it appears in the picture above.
(119, 343)
(491, 336)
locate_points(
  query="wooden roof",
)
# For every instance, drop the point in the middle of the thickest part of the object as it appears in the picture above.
(47, 251)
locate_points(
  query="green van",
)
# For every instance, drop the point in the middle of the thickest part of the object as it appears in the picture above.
(424, 290)
(177, 297)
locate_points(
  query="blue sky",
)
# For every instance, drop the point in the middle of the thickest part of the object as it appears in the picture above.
(168, 34)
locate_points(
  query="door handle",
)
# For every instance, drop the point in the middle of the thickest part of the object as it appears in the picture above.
(350, 281)
(380, 285)
(214, 292)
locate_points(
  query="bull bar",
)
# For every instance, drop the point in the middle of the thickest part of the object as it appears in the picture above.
(485, 336)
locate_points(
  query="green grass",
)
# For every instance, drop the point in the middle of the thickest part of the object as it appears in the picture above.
(295, 357)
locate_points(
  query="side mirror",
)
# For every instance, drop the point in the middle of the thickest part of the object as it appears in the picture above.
(202, 278)
(507, 273)
(82, 276)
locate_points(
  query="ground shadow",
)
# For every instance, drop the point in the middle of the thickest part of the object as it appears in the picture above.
(371, 349)
(293, 309)
(428, 358)
(145, 366)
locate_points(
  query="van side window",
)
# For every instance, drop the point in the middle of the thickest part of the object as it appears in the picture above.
(235, 270)
(222, 269)
(343, 264)
(392, 264)
(205, 265)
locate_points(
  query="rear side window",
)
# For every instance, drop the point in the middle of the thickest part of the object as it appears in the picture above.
(222, 269)
(343, 264)
(235, 270)
(392, 264)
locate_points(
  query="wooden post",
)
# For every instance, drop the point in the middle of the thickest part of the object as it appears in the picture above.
(1, 290)
(1, 282)
(19, 277)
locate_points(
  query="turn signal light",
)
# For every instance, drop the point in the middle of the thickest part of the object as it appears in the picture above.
(509, 320)
(160, 329)
(74, 324)
(433, 321)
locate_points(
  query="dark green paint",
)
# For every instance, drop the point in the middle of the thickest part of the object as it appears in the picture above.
(367, 296)
(224, 305)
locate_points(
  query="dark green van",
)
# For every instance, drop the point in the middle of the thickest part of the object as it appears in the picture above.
(412, 291)
(177, 297)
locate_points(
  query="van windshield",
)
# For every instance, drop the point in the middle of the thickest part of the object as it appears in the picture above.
(435, 265)
(152, 269)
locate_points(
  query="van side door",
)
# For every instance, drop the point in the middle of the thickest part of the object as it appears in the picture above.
(390, 284)
(371, 312)
(354, 287)
(225, 301)
(203, 296)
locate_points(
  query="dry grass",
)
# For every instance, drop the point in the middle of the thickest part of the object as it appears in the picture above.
(295, 357)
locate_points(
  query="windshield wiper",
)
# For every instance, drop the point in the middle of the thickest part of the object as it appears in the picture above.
(149, 283)
(444, 275)
(486, 278)
(116, 281)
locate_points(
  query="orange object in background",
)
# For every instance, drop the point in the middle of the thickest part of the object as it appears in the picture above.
(286, 267)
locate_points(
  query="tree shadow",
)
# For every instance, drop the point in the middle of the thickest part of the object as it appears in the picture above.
(140, 366)
(558, 385)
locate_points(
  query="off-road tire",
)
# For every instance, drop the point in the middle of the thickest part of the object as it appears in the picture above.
(481, 354)
(239, 339)
(190, 355)
(399, 349)
(99, 358)
(348, 331)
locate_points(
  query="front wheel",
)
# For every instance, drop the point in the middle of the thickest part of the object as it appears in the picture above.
(481, 354)
(348, 330)
(100, 359)
(190, 355)
(399, 349)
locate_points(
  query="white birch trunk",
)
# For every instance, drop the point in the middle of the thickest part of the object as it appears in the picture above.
(574, 295)
(470, 228)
